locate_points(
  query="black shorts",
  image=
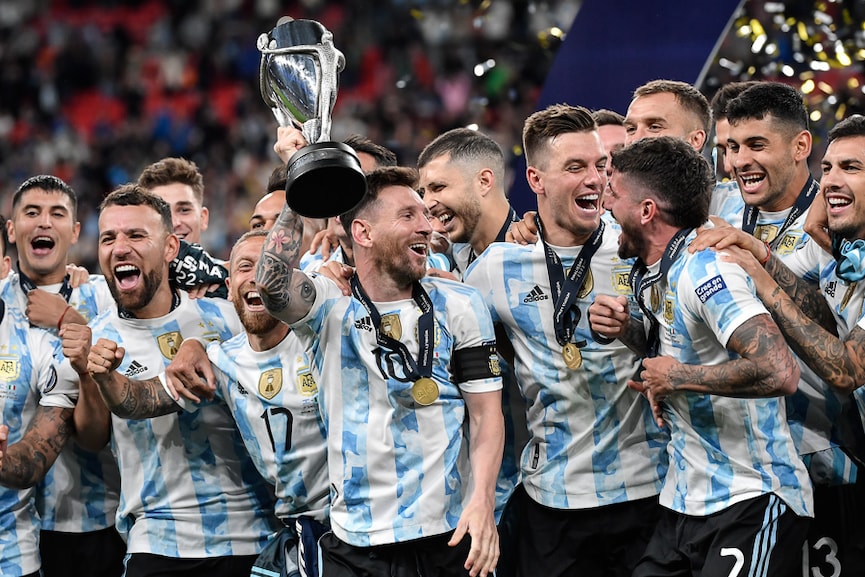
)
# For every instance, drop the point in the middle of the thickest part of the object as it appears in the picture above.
(602, 541)
(148, 565)
(836, 538)
(430, 557)
(760, 536)
(96, 553)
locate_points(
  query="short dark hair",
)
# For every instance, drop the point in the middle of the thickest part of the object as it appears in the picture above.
(853, 125)
(376, 181)
(48, 183)
(604, 117)
(689, 97)
(383, 156)
(468, 146)
(677, 175)
(278, 178)
(171, 171)
(780, 101)
(545, 125)
(133, 194)
(727, 93)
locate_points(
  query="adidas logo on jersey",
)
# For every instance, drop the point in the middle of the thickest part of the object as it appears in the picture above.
(241, 390)
(535, 295)
(364, 324)
(134, 368)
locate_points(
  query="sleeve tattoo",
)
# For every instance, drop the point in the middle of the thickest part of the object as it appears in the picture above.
(27, 461)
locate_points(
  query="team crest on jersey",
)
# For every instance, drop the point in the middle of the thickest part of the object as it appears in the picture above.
(788, 244)
(668, 309)
(10, 368)
(588, 286)
(169, 343)
(621, 280)
(306, 384)
(270, 383)
(766, 232)
(391, 326)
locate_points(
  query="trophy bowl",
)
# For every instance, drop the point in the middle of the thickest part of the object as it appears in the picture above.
(324, 179)
(299, 76)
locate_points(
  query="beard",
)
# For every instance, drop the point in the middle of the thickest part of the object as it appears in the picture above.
(631, 244)
(255, 323)
(141, 297)
(392, 261)
(469, 214)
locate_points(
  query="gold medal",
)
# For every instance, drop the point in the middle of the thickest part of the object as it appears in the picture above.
(425, 391)
(572, 356)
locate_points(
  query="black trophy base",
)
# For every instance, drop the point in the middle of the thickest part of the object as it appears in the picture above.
(324, 179)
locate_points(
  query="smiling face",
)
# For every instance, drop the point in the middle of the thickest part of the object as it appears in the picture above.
(242, 290)
(660, 114)
(43, 228)
(188, 216)
(450, 195)
(569, 182)
(619, 200)
(399, 231)
(764, 159)
(134, 252)
(843, 186)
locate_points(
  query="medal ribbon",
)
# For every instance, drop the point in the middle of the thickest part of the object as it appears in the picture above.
(803, 202)
(28, 285)
(640, 282)
(422, 367)
(512, 218)
(566, 314)
(2, 310)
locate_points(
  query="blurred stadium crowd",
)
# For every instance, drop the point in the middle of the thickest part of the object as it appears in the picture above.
(94, 90)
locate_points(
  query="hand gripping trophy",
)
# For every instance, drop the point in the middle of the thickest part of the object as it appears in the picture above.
(299, 76)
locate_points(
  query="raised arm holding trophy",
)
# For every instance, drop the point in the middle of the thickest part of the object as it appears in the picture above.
(299, 76)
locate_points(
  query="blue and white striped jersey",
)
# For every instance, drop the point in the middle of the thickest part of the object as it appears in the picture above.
(727, 202)
(273, 397)
(28, 377)
(814, 409)
(188, 486)
(80, 492)
(398, 470)
(593, 441)
(723, 450)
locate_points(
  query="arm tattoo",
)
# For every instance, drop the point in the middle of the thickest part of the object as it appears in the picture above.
(841, 364)
(805, 295)
(27, 461)
(131, 399)
(273, 279)
(764, 366)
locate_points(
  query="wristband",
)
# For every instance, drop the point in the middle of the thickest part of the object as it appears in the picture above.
(60, 321)
(768, 254)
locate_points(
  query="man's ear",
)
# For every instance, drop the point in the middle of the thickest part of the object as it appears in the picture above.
(802, 146)
(486, 179)
(361, 232)
(535, 179)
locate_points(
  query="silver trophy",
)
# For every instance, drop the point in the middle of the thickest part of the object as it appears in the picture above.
(299, 76)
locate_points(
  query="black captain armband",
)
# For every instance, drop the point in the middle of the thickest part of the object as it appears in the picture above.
(472, 363)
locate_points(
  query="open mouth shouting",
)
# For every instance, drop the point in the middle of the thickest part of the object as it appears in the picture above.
(419, 248)
(253, 302)
(127, 276)
(42, 245)
(589, 202)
